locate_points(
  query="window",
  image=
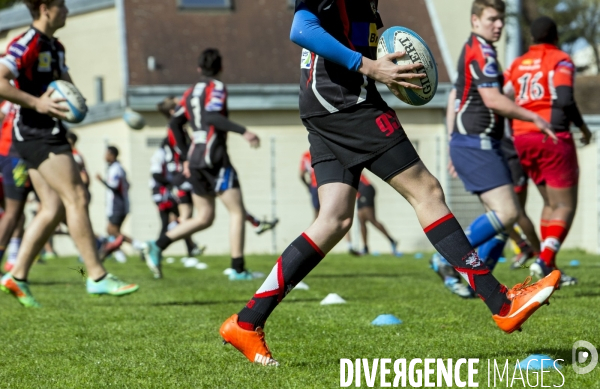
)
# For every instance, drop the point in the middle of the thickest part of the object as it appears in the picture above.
(207, 4)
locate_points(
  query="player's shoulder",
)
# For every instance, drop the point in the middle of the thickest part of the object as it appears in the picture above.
(217, 85)
(19, 44)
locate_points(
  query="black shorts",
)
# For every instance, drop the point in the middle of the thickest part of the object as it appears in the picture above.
(210, 182)
(16, 183)
(354, 135)
(117, 219)
(385, 166)
(519, 178)
(366, 196)
(36, 151)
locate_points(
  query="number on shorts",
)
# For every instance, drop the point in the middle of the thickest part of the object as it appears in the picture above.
(388, 123)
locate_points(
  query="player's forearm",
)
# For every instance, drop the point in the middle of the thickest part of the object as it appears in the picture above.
(161, 179)
(221, 123)
(176, 124)
(16, 96)
(505, 107)
(450, 112)
(307, 33)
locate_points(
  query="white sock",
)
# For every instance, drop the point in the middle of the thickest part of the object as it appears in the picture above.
(137, 244)
(13, 249)
(172, 225)
(120, 256)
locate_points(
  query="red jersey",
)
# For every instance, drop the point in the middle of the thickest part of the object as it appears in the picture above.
(538, 78)
(306, 166)
(9, 111)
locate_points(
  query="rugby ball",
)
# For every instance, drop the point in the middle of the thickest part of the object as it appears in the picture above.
(134, 120)
(396, 39)
(74, 101)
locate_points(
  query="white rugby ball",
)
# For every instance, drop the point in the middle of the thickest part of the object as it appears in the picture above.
(396, 39)
(134, 120)
(74, 101)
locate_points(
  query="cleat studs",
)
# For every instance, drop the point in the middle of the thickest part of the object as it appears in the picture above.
(520, 329)
(225, 342)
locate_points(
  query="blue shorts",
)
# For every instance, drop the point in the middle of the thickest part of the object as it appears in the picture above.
(15, 178)
(314, 193)
(480, 170)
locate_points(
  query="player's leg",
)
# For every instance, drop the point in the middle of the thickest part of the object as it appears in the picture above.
(16, 186)
(510, 308)
(15, 244)
(362, 216)
(337, 193)
(546, 213)
(49, 214)
(205, 215)
(372, 218)
(61, 174)
(563, 202)
(13, 213)
(530, 247)
(314, 195)
(502, 203)
(233, 201)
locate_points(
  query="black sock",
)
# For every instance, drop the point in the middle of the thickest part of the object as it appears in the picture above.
(163, 242)
(190, 246)
(20, 279)
(237, 264)
(450, 241)
(294, 264)
(101, 278)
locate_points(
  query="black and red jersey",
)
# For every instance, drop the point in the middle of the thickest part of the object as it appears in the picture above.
(477, 68)
(35, 60)
(209, 145)
(326, 87)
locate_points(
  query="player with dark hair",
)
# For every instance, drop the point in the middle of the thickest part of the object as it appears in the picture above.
(351, 128)
(477, 127)
(207, 164)
(34, 59)
(15, 186)
(542, 81)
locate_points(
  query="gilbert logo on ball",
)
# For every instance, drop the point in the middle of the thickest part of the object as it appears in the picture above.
(397, 39)
(74, 101)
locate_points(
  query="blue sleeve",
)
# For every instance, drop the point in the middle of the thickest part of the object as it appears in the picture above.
(308, 33)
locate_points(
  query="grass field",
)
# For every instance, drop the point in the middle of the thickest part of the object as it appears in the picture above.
(166, 335)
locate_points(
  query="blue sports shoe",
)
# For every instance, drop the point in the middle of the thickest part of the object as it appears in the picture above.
(153, 255)
(243, 276)
(110, 285)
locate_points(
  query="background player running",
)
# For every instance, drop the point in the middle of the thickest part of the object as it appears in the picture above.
(365, 205)
(340, 106)
(34, 59)
(208, 166)
(117, 202)
(542, 81)
(15, 185)
(478, 127)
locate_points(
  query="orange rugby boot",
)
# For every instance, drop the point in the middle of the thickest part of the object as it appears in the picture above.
(525, 300)
(250, 343)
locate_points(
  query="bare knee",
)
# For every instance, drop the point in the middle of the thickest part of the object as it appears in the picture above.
(338, 225)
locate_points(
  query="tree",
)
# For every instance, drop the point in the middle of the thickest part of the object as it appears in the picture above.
(7, 3)
(576, 19)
